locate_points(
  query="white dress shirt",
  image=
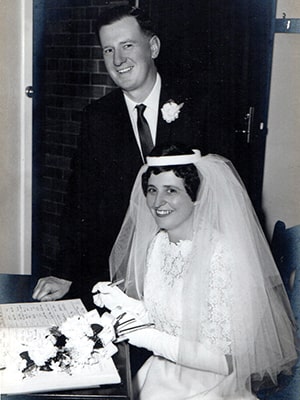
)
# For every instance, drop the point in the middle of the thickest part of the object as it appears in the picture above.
(151, 111)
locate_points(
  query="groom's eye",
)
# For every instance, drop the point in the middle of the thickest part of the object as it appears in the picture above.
(107, 51)
(127, 45)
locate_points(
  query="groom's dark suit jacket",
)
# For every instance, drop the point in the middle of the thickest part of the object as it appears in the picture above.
(105, 168)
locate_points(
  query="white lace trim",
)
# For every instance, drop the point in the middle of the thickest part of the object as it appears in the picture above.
(175, 257)
(217, 328)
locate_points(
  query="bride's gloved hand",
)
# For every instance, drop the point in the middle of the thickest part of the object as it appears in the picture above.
(108, 333)
(111, 297)
(196, 355)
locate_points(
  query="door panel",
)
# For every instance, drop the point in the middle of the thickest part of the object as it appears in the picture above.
(223, 50)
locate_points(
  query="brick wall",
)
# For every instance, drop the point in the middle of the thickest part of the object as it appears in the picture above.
(73, 75)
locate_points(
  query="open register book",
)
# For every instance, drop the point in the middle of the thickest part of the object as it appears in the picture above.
(27, 333)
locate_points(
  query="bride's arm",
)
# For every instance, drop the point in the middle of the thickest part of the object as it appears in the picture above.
(196, 354)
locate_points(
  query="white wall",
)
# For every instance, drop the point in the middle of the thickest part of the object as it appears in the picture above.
(281, 191)
(15, 135)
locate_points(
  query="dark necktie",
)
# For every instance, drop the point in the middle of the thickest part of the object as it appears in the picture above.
(144, 131)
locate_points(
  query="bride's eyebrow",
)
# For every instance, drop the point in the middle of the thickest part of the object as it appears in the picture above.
(151, 186)
(172, 186)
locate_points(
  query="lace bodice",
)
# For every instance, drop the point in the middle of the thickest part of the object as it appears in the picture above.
(167, 264)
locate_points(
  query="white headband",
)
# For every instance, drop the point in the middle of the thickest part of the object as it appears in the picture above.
(174, 160)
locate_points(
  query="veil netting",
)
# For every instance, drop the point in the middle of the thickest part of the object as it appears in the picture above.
(257, 328)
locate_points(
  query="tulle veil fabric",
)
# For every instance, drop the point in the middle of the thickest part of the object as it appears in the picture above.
(262, 328)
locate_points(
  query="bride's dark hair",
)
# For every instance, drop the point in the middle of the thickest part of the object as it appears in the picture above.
(187, 172)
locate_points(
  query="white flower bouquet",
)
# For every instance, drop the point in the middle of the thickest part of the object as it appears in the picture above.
(55, 345)
(82, 340)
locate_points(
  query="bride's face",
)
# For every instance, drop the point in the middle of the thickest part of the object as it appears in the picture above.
(170, 205)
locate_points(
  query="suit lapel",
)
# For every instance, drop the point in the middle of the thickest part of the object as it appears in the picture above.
(172, 132)
(122, 116)
(127, 140)
(163, 128)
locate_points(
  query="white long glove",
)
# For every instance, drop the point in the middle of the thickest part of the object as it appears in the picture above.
(104, 294)
(197, 356)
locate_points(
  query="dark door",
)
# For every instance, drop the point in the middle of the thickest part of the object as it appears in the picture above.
(39, 61)
(223, 49)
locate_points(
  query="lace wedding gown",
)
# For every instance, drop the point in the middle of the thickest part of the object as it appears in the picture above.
(159, 378)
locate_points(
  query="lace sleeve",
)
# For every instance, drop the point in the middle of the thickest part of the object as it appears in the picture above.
(217, 327)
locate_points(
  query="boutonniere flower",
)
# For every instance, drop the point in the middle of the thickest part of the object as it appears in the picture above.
(170, 110)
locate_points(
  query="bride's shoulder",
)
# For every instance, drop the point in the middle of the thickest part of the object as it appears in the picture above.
(221, 242)
(160, 238)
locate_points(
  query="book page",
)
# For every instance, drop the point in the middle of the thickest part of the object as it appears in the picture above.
(103, 373)
(25, 322)
(46, 314)
(12, 339)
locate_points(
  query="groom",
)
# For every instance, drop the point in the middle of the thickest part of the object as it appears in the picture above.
(111, 149)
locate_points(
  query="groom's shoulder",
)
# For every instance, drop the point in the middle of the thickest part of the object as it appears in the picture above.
(107, 103)
(179, 92)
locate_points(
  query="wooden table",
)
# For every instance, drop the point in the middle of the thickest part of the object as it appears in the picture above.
(18, 288)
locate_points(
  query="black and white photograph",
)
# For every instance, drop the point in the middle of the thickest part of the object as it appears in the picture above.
(150, 199)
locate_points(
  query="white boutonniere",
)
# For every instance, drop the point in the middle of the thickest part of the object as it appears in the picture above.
(170, 110)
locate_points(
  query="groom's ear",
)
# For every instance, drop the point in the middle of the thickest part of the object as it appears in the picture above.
(154, 46)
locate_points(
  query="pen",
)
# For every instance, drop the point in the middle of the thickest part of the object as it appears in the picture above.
(116, 283)
(123, 331)
(111, 284)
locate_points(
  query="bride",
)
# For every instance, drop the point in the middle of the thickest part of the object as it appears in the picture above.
(196, 264)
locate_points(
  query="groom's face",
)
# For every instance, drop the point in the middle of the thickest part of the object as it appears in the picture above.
(129, 56)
